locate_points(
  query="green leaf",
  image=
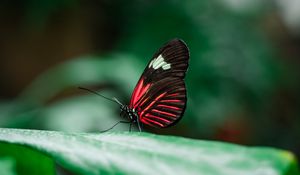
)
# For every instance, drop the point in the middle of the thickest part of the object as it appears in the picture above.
(144, 153)
(23, 161)
(7, 165)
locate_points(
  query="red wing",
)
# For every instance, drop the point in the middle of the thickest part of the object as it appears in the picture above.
(160, 96)
(163, 104)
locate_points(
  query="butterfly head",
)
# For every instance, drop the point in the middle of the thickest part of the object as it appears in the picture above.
(128, 112)
(124, 108)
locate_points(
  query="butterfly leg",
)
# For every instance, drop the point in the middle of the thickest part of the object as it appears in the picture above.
(115, 125)
(139, 125)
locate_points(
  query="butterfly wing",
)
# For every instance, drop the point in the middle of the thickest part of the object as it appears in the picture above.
(159, 97)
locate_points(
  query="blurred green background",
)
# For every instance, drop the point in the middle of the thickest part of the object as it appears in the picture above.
(243, 80)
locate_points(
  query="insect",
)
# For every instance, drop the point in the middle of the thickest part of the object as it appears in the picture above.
(159, 98)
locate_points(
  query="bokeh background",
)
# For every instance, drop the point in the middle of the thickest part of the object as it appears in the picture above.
(243, 81)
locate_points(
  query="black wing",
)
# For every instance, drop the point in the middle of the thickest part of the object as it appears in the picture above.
(160, 94)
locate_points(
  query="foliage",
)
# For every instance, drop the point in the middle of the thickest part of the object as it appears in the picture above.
(139, 153)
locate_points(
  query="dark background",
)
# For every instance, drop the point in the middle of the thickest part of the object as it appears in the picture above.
(243, 81)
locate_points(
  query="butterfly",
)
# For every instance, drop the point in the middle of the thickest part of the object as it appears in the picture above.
(159, 98)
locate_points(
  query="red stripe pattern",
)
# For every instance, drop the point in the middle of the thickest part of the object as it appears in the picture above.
(159, 97)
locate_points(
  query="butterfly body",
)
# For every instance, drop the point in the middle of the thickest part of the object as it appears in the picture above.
(129, 112)
(159, 98)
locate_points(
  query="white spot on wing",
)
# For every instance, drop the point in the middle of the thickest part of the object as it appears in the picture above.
(158, 65)
(166, 66)
(151, 63)
(159, 62)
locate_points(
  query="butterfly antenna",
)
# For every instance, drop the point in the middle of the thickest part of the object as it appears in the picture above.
(117, 101)
(94, 92)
